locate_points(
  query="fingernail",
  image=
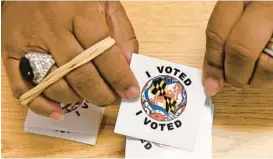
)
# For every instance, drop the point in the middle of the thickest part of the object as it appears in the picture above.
(56, 116)
(211, 86)
(128, 57)
(132, 92)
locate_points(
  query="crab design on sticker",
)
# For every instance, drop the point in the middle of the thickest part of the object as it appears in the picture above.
(163, 98)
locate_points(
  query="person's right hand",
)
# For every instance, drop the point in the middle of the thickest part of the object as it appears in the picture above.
(237, 34)
(65, 29)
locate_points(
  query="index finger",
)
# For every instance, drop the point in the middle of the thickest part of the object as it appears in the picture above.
(114, 68)
(111, 65)
(224, 16)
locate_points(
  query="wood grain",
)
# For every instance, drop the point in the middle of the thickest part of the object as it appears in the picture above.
(174, 31)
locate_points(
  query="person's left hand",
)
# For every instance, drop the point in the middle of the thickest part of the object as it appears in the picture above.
(237, 34)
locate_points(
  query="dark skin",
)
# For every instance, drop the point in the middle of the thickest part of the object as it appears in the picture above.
(65, 29)
(237, 33)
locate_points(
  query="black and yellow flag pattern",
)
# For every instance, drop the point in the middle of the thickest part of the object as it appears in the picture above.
(170, 104)
(159, 87)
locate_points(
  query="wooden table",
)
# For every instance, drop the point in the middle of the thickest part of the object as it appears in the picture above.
(173, 31)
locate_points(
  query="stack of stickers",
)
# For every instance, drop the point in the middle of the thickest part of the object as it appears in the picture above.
(81, 123)
(172, 118)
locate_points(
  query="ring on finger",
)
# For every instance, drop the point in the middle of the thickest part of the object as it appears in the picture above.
(35, 66)
(269, 47)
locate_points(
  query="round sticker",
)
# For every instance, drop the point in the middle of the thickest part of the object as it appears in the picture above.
(163, 98)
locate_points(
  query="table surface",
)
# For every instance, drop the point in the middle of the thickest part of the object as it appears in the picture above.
(174, 31)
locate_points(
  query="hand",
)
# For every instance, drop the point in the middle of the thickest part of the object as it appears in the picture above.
(65, 29)
(237, 34)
